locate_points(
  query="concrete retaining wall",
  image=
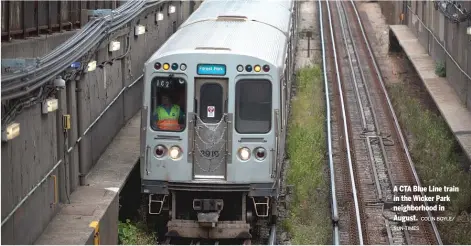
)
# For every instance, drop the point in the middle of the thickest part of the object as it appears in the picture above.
(28, 158)
(420, 15)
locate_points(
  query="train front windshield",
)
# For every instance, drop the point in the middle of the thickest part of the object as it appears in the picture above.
(253, 106)
(168, 104)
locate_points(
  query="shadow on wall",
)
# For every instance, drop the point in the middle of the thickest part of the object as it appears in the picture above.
(130, 196)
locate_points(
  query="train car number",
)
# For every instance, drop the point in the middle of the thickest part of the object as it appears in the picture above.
(163, 83)
(208, 153)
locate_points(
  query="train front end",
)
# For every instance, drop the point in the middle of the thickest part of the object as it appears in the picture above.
(209, 154)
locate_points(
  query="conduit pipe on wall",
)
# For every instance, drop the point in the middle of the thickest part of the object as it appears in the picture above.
(68, 151)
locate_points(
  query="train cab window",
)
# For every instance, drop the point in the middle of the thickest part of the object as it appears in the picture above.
(253, 106)
(211, 95)
(168, 104)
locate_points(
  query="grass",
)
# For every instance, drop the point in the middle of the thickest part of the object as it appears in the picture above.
(135, 233)
(440, 69)
(433, 149)
(308, 221)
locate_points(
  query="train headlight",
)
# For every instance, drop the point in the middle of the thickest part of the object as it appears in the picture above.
(166, 66)
(260, 153)
(175, 152)
(183, 67)
(244, 153)
(240, 68)
(160, 151)
(257, 68)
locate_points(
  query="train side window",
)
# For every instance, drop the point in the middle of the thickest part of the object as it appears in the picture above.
(253, 106)
(168, 101)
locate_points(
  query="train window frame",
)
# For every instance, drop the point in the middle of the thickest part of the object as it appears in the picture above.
(201, 108)
(237, 119)
(153, 103)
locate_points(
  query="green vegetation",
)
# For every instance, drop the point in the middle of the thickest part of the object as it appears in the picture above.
(440, 69)
(135, 234)
(309, 214)
(432, 147)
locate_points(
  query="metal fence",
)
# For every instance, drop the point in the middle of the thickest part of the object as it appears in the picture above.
(21, 19)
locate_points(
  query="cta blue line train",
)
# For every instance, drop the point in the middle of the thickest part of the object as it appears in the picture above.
(214, 116)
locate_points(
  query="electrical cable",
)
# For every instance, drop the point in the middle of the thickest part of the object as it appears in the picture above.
(15, 111)
(60, 60)
(85, 39)
(21, 104)
(446, 7)
(52, 55)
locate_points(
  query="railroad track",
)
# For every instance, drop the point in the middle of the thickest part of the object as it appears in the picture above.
(367, 151)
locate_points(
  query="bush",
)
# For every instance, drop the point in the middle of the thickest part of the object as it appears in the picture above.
(135, 234)
(440, 69)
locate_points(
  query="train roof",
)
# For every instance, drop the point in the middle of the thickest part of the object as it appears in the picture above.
(271, 12)
(288, 4)
(263, 34)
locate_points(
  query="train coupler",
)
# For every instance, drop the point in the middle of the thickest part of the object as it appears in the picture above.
(208, 211)
(262, 206)
(208, 219)
(156, 203)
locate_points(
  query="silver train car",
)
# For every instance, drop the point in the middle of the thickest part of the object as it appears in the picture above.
(214, 119)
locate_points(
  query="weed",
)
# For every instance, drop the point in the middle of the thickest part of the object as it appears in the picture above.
(432, 148)
(440, 69)
(308, 221)
(135, 234)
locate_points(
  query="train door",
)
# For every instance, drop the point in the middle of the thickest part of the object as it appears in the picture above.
(210, 133)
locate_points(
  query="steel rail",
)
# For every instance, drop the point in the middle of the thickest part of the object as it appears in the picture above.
(352, 69)
(335, 212)
(347, 138)
(272, 237)
(396, 122)
(368, 96)
(376, 125)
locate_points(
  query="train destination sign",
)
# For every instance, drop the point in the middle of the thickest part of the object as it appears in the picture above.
(211, 69)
